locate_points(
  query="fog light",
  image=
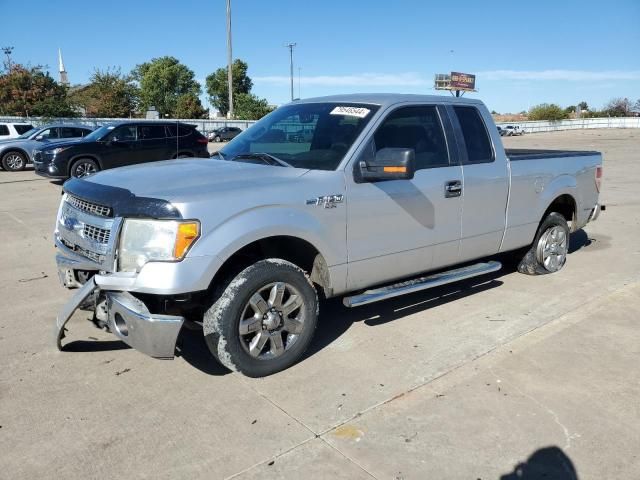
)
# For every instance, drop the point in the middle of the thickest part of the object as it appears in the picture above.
(121, 325)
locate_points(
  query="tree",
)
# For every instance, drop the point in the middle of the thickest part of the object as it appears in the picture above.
(162, 81)
(250, 107)
(109, 94)
(189, 106)
(547, 111)
(217, 85)
(26, 91)
(618, 107)
(583, 105)
(570, 109)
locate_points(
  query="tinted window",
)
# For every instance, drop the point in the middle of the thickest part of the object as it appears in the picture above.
(123, 134)
(181, 129)
(49, 133)
(23, 128)
(476, 137)
(70, 132)
(147, 132)
(4, 130)
(418, 128)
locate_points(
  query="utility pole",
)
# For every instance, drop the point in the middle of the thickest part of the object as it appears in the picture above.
(229, 61)
(290, 47)
(7, 51)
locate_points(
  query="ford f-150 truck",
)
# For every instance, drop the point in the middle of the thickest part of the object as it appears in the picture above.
(384, 191)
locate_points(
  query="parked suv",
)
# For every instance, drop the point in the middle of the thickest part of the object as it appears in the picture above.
(120, 144)
(16, 153)
(224, 134)
(13, 130)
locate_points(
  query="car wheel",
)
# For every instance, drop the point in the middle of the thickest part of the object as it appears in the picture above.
(218, 139)
(264, 319)
(14, 161)
(84, 167)
(549, 250)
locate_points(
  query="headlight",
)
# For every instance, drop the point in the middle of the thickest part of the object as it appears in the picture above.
(145, 241)
(56, 151)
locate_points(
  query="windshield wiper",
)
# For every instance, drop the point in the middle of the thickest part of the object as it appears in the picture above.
(265, 157)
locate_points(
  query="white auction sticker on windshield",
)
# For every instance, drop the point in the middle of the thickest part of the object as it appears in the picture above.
(359, 112)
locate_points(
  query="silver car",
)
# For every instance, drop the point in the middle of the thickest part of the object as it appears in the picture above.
(16, 153)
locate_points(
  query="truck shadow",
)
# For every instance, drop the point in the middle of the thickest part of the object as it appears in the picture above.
(549, 463)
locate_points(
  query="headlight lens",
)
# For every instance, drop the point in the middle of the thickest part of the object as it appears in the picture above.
(144, 241)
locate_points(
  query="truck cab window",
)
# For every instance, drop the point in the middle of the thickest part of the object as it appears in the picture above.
(476, 137)
(418, 128)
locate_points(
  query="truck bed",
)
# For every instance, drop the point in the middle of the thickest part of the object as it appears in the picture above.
(515, 154)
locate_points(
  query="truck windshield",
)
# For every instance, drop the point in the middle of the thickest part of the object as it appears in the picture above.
(306, 135)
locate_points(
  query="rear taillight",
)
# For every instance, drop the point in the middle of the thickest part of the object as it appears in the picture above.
(598, 178)
(202, 140)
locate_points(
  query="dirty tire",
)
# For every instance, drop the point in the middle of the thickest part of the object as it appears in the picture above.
(222, 321)
(14, 161)
(531, 263)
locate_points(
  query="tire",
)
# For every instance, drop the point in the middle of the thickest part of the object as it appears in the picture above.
(217, 139)
(14, 161)
(83, 167)
(548, 253)
(259, 296)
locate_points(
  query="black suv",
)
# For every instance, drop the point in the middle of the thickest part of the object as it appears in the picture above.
(224, 133)
(120, 144)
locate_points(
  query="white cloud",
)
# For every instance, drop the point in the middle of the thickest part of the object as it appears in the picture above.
(356, 80)
(563, 75)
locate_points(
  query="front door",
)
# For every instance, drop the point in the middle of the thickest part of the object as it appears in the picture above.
(400, 227)
(120, 147)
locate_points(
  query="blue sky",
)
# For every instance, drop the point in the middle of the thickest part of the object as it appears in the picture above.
(523, 53)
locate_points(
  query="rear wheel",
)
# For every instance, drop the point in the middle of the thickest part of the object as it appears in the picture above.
(264, 319)
(548, 253)
(14, 161)
(218, 139)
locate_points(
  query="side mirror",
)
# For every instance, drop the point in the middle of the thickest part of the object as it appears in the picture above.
(40, 137)
(389, 164)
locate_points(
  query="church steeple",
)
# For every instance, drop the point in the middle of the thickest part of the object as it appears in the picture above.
(64, 80)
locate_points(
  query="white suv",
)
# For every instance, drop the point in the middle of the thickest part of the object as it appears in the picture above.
(13, 130)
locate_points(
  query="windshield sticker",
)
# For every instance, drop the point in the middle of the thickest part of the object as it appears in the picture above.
(359, 112)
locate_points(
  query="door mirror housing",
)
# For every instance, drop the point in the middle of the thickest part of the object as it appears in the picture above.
(39, 137)
(388, 164)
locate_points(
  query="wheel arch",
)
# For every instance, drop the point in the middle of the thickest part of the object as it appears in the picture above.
(81, 156)
(16, 150)
(565, 204)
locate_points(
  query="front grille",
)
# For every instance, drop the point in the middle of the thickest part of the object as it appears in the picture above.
(82, 251)
(100, 235)
(85, 206)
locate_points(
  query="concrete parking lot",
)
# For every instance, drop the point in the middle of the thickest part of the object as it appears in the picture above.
(499, 377)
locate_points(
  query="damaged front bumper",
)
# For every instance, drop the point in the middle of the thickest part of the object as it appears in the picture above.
(128, 318)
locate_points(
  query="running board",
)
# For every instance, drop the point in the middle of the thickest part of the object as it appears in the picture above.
(422, 283)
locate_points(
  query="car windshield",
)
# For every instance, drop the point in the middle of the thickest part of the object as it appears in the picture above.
(99, 133)
(28, 133)
(306, 135)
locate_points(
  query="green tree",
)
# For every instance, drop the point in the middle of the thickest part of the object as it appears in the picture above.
(189, 106)
(217, 85)
(547, 111)
(109, 94)
(26, 91)
(583, 105)
(162, 81)
(570, 109)
(250, 107)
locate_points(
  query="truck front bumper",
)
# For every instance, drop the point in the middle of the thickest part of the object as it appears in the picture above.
(128, 319)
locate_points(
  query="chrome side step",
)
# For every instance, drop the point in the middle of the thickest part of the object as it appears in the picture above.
(422, 283)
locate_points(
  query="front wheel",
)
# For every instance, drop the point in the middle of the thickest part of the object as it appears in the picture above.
(549, 250)
(14, 162)
(264, 319)
(218, 139)
(84, 167)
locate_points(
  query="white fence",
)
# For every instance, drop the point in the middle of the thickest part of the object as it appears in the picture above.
(576, 124)
(204, 125)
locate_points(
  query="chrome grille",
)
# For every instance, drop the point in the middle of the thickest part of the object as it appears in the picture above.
(85, 206)
(82, 251)
(100, 235)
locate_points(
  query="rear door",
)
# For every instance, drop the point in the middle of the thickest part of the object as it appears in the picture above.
(152, 143)
(400, 227)
(485, 184)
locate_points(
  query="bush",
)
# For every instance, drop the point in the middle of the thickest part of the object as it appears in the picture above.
(547, 111)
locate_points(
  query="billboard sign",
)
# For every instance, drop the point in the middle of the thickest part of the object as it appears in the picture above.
(462, 81)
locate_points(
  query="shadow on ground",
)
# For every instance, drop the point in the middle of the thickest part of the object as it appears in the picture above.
(549, 463)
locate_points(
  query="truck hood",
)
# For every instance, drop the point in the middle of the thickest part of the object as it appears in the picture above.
(181, 180)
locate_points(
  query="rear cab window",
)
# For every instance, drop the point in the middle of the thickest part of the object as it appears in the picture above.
(475, 135)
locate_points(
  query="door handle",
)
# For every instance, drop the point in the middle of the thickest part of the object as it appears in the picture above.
(453, 188)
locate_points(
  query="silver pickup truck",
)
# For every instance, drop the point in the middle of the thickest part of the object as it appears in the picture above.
(377, 193)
